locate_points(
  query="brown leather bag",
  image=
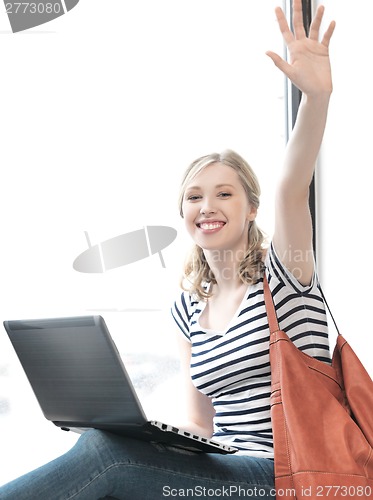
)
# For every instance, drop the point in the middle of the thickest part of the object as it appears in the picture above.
(322, 419)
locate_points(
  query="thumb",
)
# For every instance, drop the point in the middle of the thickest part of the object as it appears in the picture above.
(279, 62)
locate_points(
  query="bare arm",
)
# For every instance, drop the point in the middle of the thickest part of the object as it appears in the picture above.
(308, 69)
(199, 408)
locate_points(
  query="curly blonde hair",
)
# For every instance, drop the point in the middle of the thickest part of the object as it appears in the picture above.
(197, 272)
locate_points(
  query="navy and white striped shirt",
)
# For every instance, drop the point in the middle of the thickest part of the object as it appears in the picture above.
(232, 367)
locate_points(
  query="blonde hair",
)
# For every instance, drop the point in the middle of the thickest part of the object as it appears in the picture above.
(196, 269)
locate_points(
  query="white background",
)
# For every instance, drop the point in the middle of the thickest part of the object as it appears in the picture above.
(345, 189)
(101, 111)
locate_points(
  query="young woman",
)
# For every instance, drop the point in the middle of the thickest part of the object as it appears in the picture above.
(224, 340)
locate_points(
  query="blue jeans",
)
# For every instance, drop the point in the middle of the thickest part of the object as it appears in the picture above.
(102, 465)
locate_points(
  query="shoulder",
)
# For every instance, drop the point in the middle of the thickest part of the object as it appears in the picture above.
(300, 308)
(278, 273)
(183, 309)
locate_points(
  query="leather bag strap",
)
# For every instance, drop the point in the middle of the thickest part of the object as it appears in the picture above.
(271, 311)
(270, 307)
(330, 312)
(274, 355)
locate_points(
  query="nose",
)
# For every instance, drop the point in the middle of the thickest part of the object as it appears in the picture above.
(207, 208)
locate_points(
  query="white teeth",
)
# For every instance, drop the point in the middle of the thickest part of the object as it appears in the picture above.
(211, 226)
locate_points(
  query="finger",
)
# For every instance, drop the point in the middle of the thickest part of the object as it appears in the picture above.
(316, 22)
(299, 30)
(328, 34)
(283, 25)
(279, 62)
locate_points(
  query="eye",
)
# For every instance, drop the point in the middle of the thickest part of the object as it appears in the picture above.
(224, 194)
(194, 197)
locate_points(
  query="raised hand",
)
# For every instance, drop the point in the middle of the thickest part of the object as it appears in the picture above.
(309, 66)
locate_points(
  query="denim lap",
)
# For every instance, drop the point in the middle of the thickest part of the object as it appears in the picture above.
(103, 465)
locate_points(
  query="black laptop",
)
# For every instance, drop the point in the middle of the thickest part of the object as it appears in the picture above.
(80, 381)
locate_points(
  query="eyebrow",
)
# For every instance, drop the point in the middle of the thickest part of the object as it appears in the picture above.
(217, 186)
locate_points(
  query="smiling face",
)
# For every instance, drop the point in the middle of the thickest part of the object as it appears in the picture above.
(216, 209)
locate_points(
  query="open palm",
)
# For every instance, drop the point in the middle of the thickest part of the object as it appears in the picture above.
(309, 66)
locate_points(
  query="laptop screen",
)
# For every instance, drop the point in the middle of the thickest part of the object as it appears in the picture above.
(75, 370)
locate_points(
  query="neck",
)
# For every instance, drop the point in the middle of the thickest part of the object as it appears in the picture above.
(225, 266)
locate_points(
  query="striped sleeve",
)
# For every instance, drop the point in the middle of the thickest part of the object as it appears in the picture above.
(283, 276)
(181, 313)
(300, 308)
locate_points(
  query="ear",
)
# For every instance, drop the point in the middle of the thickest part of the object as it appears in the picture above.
(253, 212)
